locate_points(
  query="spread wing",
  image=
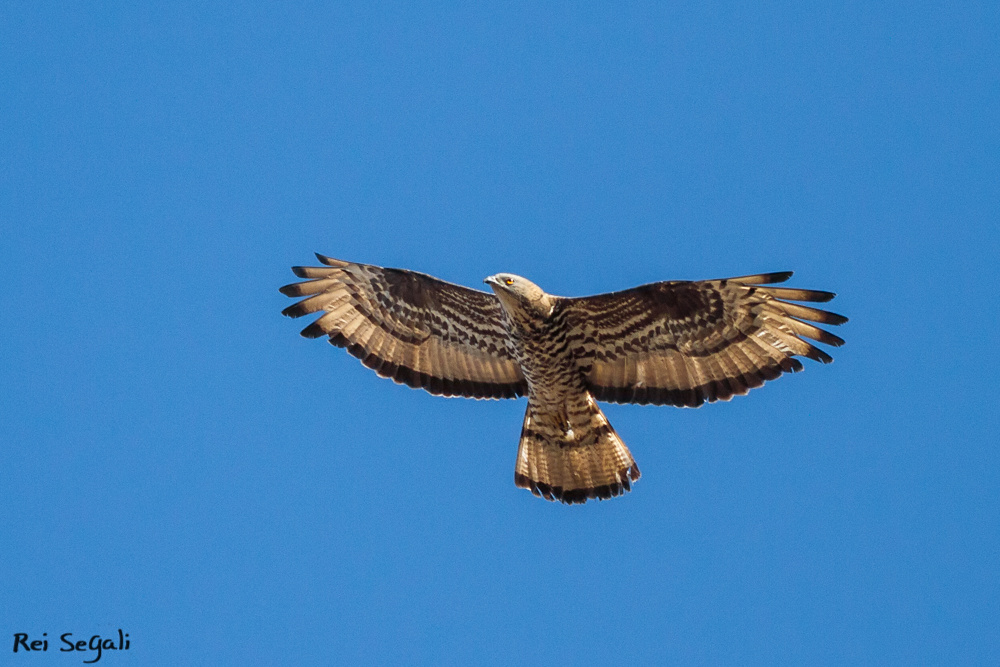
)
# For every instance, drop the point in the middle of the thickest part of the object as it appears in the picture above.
(684, 343)
(410, 327)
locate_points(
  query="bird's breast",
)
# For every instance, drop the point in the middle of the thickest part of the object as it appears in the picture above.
(546, 362)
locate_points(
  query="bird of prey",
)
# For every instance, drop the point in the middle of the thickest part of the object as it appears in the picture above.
(676, 343)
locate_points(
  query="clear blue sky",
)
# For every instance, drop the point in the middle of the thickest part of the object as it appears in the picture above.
(179, 463)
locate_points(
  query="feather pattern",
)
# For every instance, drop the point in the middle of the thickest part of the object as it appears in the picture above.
(668, 343)
(415, 329)
(684, 343)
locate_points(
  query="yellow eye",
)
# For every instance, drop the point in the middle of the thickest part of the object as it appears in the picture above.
(508, 281)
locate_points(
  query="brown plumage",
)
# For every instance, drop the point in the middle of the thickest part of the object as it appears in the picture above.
(668, 343)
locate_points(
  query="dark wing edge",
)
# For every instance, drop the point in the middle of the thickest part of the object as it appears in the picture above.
(410, 327)
(686, 343)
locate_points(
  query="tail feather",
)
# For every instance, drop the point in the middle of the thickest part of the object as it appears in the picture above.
(572, 455)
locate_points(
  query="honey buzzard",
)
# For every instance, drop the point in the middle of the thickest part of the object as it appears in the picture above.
(676, 343)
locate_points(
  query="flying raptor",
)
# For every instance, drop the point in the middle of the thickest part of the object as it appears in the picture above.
(676, 343)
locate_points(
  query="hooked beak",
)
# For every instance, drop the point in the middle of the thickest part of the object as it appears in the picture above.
(491, 280)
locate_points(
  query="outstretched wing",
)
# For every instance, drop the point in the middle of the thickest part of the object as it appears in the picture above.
(684, 343)
(410, 327)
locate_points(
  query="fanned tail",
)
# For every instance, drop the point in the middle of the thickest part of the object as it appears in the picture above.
(573, 454)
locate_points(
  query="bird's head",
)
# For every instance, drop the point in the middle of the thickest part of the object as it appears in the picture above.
(519, 294)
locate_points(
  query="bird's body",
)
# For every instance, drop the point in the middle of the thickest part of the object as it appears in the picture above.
(678, 343)
(568, 450)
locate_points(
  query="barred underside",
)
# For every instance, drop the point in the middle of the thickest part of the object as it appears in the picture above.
(415, 329)
(572, 454)
(668, 343)
(685, 343)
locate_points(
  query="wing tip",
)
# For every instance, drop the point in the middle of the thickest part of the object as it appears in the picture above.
(779, 276)
(293, 311)
(824, 296)
(832, 339)
(763, 278)
(314, 330)
(330, 261)
(819, 355)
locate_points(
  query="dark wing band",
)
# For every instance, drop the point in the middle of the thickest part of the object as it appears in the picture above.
(684, 343)
(415, 329)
